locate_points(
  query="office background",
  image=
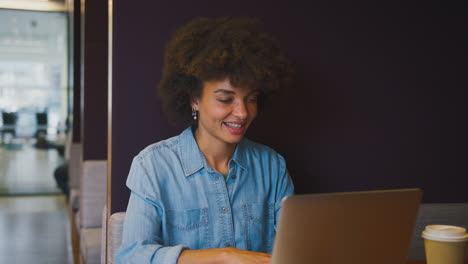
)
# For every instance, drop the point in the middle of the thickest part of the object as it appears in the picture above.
(378, 101)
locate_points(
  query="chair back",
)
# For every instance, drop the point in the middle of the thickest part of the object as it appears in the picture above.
(41, 118)
(9, 118)
(104, 235)
(114, 235)
(92, 192)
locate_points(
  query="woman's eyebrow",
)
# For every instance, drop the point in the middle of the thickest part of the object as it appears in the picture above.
(224, 91)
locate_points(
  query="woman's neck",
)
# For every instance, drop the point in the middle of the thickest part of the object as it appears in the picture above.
(217, 153)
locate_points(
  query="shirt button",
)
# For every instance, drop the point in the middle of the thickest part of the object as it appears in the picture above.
(233, 176)
(228, 244)
(224, 209)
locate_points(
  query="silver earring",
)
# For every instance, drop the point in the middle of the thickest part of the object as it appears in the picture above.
(194, 114)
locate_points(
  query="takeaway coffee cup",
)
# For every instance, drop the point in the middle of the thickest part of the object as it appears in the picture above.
(445, 244)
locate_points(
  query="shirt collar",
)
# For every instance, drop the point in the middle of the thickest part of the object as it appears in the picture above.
(240, 153)
(193, 160)
(191, 157)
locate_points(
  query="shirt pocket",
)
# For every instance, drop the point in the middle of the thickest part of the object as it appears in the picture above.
(259, 226)
(188, 227)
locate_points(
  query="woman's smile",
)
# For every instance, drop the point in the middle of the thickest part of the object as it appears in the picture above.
(236, 128)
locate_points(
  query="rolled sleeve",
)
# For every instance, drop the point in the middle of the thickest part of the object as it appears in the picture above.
(142, 241)
(285, 188)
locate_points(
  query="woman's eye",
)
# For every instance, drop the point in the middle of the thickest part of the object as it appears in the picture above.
(225, 101)
(252, 99)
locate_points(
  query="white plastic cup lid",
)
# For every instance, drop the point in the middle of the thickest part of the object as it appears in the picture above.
(445, 233)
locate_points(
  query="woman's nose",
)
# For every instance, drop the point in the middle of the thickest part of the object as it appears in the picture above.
(241, 111)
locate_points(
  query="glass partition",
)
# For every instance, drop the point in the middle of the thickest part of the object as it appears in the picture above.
(33, 96)
(33, 69)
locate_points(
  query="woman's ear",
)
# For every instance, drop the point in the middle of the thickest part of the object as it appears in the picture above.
(194, 103)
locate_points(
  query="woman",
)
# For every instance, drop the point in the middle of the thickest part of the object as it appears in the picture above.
(209, 195)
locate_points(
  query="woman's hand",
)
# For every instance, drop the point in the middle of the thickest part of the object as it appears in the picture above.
(223, 255)
(238, 256)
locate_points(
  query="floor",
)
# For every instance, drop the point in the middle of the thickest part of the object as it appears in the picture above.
(34, 229)
(25, 169)
(34, 217)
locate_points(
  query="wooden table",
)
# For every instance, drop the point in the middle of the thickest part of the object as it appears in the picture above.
(424, 262)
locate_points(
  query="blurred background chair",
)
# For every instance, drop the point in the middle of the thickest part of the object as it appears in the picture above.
(42, 124)
(9, 124)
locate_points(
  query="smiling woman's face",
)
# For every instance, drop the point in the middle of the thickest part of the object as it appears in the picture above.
(225, 112)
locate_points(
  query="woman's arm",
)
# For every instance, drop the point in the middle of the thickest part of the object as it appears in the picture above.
(142, 242)
(223, 255)
(284, 187)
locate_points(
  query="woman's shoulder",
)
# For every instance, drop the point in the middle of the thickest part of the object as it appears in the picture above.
(151, 166)
(256, 149)
(161, 147)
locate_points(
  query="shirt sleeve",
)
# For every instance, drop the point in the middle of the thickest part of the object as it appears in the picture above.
(285, 187)
(142, 236)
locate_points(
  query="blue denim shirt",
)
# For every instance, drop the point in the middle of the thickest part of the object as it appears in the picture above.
(178, 201)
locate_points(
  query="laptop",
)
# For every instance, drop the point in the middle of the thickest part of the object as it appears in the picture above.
(355, 227)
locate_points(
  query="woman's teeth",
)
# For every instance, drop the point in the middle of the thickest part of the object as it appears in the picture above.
(233, 125)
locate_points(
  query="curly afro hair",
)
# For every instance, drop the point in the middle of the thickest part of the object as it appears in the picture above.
(209, 49)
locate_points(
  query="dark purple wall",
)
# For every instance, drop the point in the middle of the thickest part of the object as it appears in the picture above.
(377, 103)
(94, 80)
